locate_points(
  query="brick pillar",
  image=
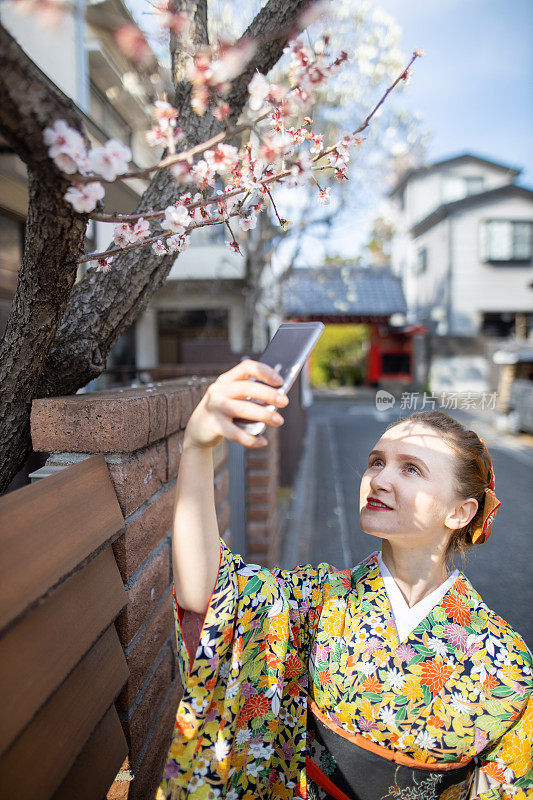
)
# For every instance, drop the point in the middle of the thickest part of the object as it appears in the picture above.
(262, 483)
(140, 433)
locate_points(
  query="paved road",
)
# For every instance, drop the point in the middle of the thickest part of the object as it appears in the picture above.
(323, 522)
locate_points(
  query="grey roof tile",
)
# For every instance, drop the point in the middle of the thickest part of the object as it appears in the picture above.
(342, 291)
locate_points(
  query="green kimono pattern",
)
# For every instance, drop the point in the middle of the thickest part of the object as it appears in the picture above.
(459, 687)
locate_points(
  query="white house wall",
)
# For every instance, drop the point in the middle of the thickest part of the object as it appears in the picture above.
(484, 287)
(52, 49)
(424, 193)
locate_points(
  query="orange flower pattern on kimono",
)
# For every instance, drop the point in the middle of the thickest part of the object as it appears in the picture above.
(460, 686)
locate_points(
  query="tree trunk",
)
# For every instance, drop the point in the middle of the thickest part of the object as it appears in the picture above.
(40, 357)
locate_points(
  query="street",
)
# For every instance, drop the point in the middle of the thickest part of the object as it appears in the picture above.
(323, 523)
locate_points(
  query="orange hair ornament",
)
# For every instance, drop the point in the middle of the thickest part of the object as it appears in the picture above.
(483, 528)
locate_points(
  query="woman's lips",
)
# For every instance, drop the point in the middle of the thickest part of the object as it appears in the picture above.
(376, 505)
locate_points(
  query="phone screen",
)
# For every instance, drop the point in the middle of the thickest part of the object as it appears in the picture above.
(290, 347)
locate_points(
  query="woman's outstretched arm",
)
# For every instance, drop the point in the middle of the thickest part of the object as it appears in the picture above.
(195, 538)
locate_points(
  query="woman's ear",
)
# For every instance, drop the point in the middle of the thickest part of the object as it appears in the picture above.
(462, 514)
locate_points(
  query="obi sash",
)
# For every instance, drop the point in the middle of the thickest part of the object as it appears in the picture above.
(344, 766)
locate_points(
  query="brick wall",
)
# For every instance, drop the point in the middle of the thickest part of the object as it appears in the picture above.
(140, 431)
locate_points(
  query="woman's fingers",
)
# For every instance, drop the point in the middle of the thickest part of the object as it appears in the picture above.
(257, 391)
(252, 369)
(236, 434)
(250, 410)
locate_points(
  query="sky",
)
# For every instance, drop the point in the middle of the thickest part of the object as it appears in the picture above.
(474, 86)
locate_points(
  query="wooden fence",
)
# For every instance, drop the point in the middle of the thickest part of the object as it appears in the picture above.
(62, 665)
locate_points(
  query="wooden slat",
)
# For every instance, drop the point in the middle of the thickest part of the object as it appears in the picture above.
(49, 528)
(36, 764)
(96, 767)
(37, 654)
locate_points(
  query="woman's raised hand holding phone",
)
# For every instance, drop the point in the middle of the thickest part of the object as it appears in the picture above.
(226, 399)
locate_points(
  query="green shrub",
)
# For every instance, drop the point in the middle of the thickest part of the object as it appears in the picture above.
(339, 356)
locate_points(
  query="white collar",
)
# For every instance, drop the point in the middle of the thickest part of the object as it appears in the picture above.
(405, 617)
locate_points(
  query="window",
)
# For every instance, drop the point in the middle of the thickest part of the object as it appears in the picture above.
(456, 187)
(474, 185)
(506, 240)
(421, 261)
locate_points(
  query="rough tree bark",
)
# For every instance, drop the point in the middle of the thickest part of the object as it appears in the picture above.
(39, 356)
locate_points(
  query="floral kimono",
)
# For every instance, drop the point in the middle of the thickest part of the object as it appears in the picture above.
(299, 677)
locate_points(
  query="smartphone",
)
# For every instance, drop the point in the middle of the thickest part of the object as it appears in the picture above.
(287, 353)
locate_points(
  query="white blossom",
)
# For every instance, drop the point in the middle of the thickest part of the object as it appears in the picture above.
(258, 89)
(424, 740)
(159, 248)
(176, 219)
(110, 160)
(66, 147)
(84, 196)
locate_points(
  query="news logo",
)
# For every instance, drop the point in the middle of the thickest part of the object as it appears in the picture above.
(384, 400)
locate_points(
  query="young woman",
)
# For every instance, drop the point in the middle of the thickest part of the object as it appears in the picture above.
(389, 680)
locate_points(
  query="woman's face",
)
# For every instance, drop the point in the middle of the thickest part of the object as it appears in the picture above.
(407, 490)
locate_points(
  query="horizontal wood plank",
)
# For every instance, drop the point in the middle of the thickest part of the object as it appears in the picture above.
(37, 654)
(48, 529)
(96, 767)
(39, 760)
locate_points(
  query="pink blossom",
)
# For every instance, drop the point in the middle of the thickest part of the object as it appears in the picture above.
(132, 42)
(248, 222)
(222, 158)
(258, 89)
(84, 196)
(221, 111)
(181, 172)
(141, 229)
(121, 234)
(126, 233)
(170, 20)
(202, 174)
(103, 264)
(159, 248)
(176, 219)
(110, 160)
(234, 246)
(324, 196)
(165, 114)
(66, 147)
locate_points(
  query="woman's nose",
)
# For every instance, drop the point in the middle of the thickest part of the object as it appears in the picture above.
(381, 480)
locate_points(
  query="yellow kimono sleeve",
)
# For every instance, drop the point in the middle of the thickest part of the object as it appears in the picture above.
(507, 764)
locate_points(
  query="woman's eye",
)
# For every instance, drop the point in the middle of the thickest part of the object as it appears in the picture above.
(412, 466)
(376, 462)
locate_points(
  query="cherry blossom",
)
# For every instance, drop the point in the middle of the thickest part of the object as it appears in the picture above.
(249, 222)
(178, 243)
(125, 233)
(83, 197)
(176, 219)
(132, 42)
(221, 159)
(102, 265)
(181, 172)
(234, 246)
(159, 248)
(258, 89)
(65, 147)
(324, 196)
(170, 20)
(110, 160)
(202, 174)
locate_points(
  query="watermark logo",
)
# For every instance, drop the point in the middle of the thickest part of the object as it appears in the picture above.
(384, 400)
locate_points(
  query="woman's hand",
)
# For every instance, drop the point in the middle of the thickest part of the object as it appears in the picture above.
(212, 419)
